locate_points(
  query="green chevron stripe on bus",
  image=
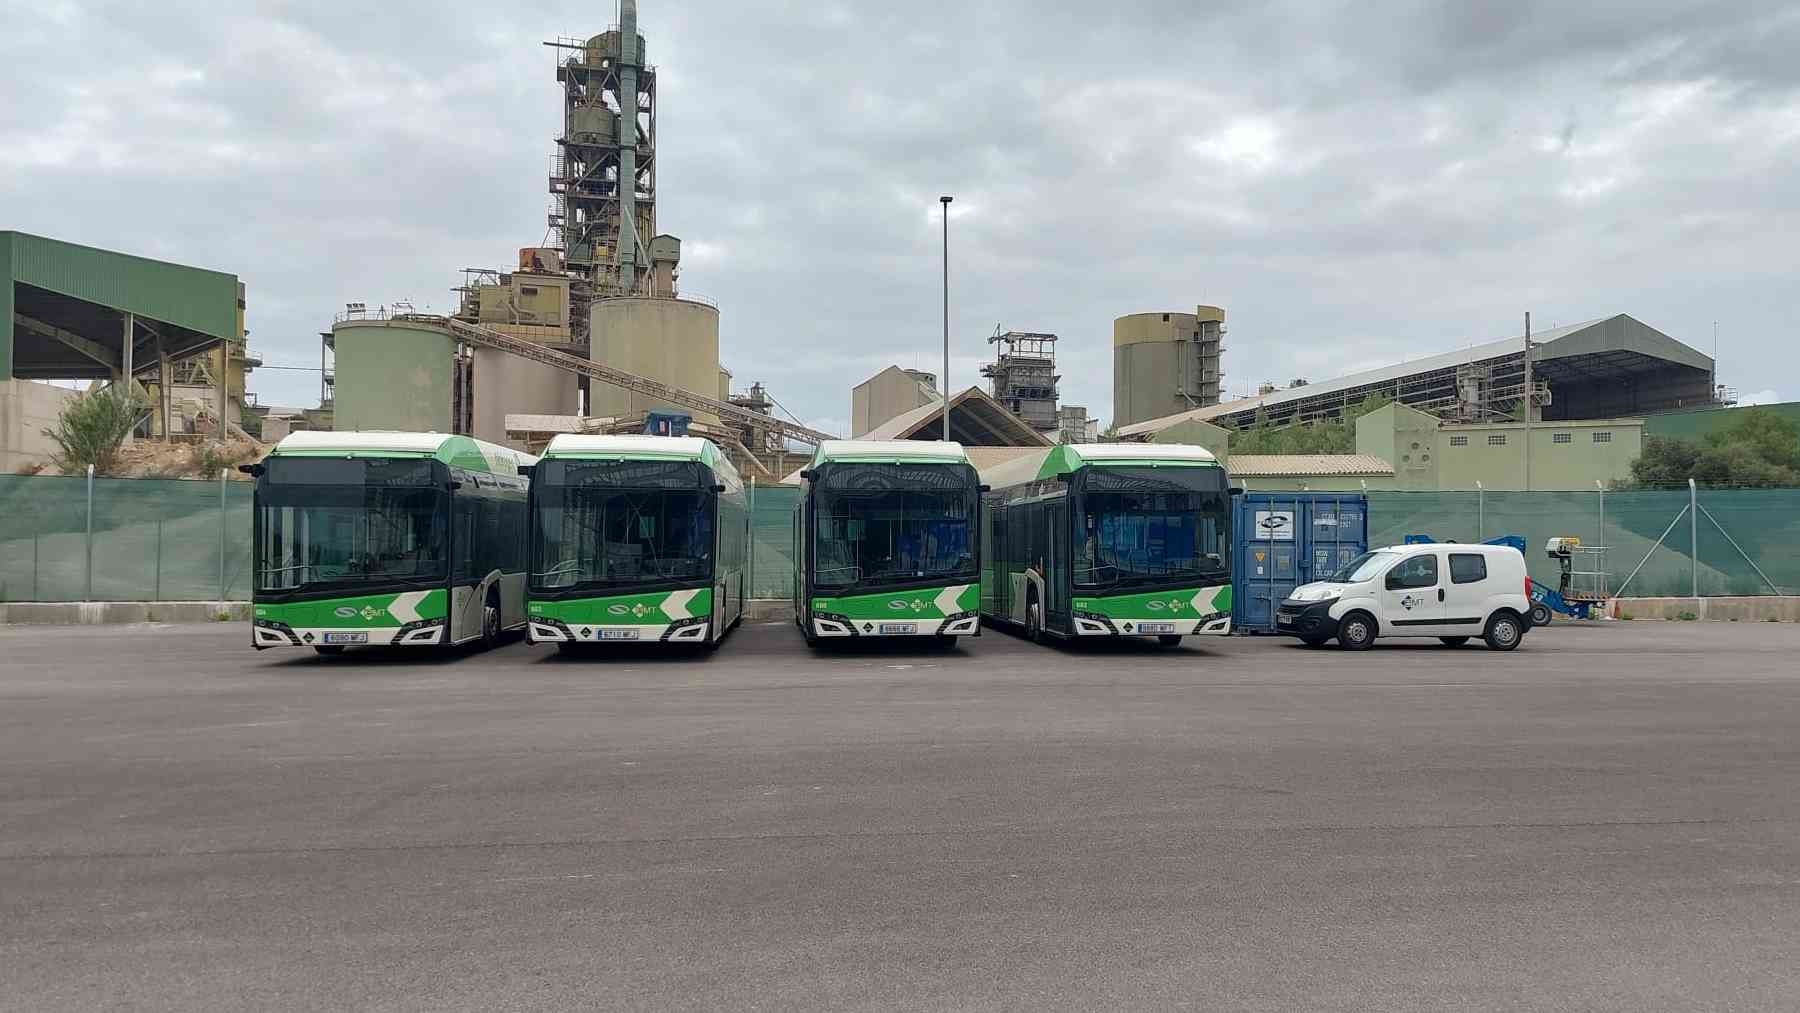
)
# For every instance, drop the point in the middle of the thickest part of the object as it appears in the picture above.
(373, 611)
(656, 609)
(919, 603)
(1188, 603)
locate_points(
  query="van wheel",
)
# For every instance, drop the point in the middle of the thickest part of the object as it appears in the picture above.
(1454, 641)
(1357, 632)
(1504, 631)
(1540, 614)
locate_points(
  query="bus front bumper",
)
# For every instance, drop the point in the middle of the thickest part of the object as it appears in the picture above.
(544, 630)
(831, 624)
(267, 633)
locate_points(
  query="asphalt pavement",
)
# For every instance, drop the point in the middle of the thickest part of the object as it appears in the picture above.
(1608, 818)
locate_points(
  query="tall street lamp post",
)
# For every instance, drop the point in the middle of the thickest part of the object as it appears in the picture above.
(945, 201)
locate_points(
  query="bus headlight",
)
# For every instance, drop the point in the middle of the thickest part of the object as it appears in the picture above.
(271, 633)
(540, 630)
(423, 631)
(693, 628)
(1093, 622)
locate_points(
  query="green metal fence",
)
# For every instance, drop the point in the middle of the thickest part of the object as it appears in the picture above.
(1747, 540)
(163, 540)
(771, 534)
(112, 539)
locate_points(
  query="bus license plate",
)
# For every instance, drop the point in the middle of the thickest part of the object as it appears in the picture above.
(899, 627)
(1156, 627)
(346, 638)
(618, 634)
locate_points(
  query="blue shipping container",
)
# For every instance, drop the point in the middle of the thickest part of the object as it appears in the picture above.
(1284, 539)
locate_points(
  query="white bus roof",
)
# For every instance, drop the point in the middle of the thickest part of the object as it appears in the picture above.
(924, 451)
(1065, 458)
(461, 451)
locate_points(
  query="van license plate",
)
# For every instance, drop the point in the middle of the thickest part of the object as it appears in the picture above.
(1156, 627)
(618, 634)
(899, 627)
(346, 638)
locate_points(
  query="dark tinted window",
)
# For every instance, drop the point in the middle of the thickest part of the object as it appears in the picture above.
(1467, 567)
(1414, 571)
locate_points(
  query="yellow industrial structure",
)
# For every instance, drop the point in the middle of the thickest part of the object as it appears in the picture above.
(1165, 363)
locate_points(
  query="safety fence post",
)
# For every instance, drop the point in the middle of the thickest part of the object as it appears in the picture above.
(88, 581)
(221, 534)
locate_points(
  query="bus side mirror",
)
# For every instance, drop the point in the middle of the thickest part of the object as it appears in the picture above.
(984, 487)
(250, 469)
(810, 474)
(454, 484)
(1234, 490)
(525, 470)
(718, 487)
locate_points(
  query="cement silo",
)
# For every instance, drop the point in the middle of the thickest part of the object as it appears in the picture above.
(1164, 363)
(394, 374)
(675, 341)
(505, 384)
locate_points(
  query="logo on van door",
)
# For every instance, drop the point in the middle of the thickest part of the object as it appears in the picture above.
(1407, 602)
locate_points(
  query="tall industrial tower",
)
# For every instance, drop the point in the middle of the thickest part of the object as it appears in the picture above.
(1025, 377)
(603, 179)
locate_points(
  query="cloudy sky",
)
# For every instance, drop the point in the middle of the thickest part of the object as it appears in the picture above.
(1356, 183)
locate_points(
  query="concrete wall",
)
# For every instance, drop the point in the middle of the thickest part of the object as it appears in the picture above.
(27, 408)
(1195, 432)
(393, 375)
(671, 340)
(1574, 464)
(888, 394)
(506, 384)
(1785, 609)
(1405, 438)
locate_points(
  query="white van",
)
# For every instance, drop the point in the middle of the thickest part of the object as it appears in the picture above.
(1444, 590)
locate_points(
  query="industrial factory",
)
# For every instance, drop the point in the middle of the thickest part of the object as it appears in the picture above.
(588, 334)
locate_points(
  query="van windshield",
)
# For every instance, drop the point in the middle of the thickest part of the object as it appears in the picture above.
(1362, 568)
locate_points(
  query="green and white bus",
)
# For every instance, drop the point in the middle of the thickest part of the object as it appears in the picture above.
(884, 541)
(636, 538)
(1108, 540)
(371, 538)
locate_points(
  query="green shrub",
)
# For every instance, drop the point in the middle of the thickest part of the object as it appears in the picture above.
(92, 427)
(1687, 617)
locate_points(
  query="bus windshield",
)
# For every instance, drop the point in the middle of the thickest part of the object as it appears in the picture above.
(883, 524)
(612, 524)
(344, 523)
(1143, 526)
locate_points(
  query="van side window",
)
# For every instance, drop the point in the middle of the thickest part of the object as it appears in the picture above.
(1467, 568)
(1415, 571)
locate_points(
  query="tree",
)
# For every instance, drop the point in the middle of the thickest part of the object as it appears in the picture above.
(1761, 451)
(93, 426)
(1323, 436)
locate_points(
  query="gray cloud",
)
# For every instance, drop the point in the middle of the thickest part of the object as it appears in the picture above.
(1354, 183)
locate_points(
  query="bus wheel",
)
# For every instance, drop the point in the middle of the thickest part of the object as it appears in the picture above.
(806, 633)
(1034, 622)
(1169, 639)
(332, 651)
(490, 622)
